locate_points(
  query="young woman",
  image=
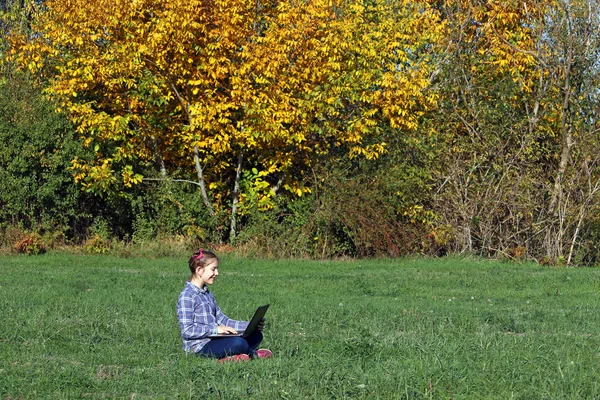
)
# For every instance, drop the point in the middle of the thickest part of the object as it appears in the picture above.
(200, 317)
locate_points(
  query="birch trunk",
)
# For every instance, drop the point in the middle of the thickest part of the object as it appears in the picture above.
(236, 193)
(207, 203)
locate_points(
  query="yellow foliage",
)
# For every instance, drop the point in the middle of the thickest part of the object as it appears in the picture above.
(279, 81)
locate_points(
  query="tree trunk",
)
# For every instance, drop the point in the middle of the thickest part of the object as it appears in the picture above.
(236, 192)
(553, 238)
(207, 203)
(567, 143)
(159, 160)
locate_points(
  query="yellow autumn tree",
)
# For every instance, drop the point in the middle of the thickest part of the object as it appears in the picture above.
(228, 86)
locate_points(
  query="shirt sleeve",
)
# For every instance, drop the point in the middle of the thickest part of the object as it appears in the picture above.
(222, 319)
(195, 319)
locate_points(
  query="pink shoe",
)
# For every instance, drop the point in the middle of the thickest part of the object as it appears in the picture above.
(264, 353)
(236, 358)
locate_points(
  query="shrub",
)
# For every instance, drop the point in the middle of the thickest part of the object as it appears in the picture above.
(31, 244)
(96, 244)
(352, 211)
(36, 148)
(10, 235)
(170, 209)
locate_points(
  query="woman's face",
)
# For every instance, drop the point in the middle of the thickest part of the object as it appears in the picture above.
(209, 273)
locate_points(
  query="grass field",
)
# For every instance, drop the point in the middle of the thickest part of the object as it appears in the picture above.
(97, 327)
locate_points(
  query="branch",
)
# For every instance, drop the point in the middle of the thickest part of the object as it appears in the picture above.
(515, 48)
(182, 101)
(171, 180)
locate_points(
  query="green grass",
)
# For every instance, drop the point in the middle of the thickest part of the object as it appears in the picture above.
(98, 327)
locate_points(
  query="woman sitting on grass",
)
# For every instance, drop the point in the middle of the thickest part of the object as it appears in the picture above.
(200, 317)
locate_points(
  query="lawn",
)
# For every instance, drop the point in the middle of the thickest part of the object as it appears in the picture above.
(96, 327)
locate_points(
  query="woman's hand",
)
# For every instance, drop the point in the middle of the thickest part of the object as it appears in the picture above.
(226, 329)
(261, 324)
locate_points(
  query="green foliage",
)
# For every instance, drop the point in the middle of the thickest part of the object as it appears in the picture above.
(167, 209)
(100, 228)
(291, 229)
(36, 148)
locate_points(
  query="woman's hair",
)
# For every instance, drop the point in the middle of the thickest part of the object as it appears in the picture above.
(201, 258)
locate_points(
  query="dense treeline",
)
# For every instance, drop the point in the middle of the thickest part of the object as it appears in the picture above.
(304, 128)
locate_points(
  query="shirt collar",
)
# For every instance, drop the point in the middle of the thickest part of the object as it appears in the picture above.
(195, 288)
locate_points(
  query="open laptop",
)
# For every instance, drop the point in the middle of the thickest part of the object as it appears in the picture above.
(258, 315)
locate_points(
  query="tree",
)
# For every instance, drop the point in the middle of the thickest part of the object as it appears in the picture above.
(234, 89)
(486, 84)
(519, 94)
(569, 53)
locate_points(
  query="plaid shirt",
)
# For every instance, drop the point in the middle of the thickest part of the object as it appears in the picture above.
(199, 315)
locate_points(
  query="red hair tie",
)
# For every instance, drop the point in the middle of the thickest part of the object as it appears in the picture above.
(199, 256)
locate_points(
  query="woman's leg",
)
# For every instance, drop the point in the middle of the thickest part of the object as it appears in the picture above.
(223, 347)
(254, 340)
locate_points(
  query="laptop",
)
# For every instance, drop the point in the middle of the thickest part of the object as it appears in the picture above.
(258, 315)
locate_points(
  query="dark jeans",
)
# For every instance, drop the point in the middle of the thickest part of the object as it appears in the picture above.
(229, 346)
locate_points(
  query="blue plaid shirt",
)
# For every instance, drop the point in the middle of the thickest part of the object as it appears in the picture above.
(199, 315)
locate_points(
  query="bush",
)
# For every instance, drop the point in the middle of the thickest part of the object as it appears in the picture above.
(170, 209)
(36, 148)
(97, 245)
(31, 244)
(352, 211)
(10, 235)
(362, 210)
(288, 230)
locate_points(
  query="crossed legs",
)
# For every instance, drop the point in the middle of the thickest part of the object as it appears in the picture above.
(229, 346)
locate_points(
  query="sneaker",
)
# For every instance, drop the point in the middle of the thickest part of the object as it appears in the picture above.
(264, 353)
(236, 358)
